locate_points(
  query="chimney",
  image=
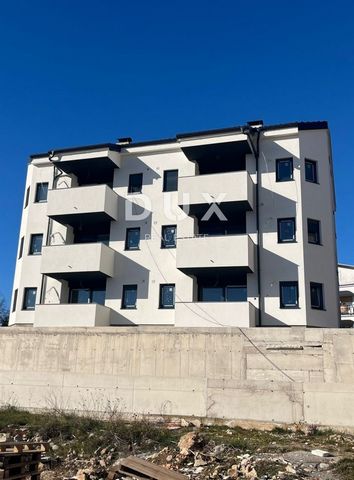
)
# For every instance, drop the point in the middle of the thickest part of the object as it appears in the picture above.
(255, 123)
(124, 141)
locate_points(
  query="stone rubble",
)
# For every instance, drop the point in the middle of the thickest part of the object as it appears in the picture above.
(195, 456)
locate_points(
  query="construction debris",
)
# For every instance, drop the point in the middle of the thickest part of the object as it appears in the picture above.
(137, 468)
(84, 449)
(21, 460)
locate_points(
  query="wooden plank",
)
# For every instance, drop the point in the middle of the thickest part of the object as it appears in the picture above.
(134, 466)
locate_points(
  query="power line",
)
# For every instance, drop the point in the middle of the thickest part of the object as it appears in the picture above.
(214, 321)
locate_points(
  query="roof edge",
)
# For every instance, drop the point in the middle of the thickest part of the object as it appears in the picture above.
(302, 126)
(110, 146)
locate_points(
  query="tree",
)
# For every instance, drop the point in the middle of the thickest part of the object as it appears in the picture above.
(4, 313)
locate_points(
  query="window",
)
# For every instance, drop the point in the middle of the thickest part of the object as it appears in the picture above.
(310, 171)
(316, 295)
(27, 196)
(236, 294)
(284, 169)
(129, 296)
(289, 295)
(229, 293)
(167, 296)
(14, 303)
(29, 299)
(41, 192)
(286, 230)
(132, 239)
(170, 180)
(313, 230)
(87, 295)
(168, 236)
(135, 183)
(36, 244)
(20, 252)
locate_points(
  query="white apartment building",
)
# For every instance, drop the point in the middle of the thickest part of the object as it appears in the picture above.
(229, 227)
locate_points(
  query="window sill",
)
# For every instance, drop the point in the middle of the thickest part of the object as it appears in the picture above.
(128, 308)
(131, 249)
(166, 247)
(135, 193)
(315, 243)
(166, 308)
(318, 308)
(287, 241)
(286, 180)
(310, 181)
(290, 307)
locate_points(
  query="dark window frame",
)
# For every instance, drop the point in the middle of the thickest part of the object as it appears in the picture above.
(38, 186)
(128, 230)
(30, 251)
(27, 198)
(20, 250)
(318, 223)
(321, 296)
(25, 295)
(167, 285)
(14, 301)
(91, 292)
(126, 288)
(288, 284)
(277, 163)
(163, 244)
(165, 182)
(131, 187)
(314, 163)
(224, 290)
(287, 219)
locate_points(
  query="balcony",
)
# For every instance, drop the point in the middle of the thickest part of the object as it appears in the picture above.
(236, 251)
(78, 261)
(73, 315)
(94, 203)
(234, 187)
(91, 164)
(216, 314)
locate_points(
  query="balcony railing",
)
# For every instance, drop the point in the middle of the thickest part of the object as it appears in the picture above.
(216, 314)
(73, 205)
(73, 315)
(231, 187)
(216, 252)
(78, 260)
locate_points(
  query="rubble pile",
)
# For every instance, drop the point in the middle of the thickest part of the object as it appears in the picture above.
(219, 453)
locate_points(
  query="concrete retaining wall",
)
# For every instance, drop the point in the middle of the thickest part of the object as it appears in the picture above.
(261, 374)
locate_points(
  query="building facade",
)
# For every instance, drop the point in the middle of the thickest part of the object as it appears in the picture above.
(346, 294)
(231, 227)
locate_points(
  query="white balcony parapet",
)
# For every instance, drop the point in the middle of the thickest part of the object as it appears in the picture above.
(216, 314)
(63, 261)
(67, 204)
(216, 251)
(227, 187)
(73, 315)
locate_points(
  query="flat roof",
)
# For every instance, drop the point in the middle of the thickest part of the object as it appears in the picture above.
(317, 125)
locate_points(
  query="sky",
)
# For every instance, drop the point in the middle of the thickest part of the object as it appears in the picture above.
(76, 72)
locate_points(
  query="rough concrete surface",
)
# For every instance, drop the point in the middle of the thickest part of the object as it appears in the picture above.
(283, 375)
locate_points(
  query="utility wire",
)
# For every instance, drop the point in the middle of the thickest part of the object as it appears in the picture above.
(213, 320)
